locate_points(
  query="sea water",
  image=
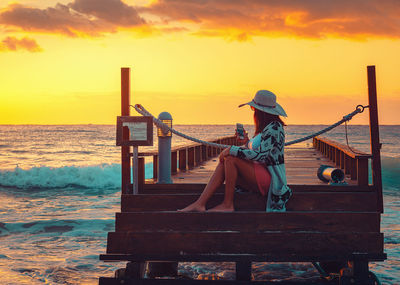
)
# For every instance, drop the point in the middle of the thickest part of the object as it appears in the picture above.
(60, 189)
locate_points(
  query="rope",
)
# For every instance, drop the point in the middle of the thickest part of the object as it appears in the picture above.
(347, 140)
(141, 110)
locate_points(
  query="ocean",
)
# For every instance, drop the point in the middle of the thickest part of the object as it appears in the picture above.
(60, 189)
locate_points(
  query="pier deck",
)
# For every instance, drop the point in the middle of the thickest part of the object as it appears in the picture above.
(301, 164)
(335, 227)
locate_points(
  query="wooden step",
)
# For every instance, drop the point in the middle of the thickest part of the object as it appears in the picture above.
(300, 201)
(248, 222)
(214, 243)
(186, 188)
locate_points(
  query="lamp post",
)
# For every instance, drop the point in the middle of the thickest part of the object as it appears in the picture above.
(164, 149)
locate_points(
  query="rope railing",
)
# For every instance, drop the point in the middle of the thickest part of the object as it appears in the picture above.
(141, 110)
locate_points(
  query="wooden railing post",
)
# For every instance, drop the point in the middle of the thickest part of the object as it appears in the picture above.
(155, 167)
(141, 176)
(182, 159)
(125, 158)
(374, 136)
(174, 162)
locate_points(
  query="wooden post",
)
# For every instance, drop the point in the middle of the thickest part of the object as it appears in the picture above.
(141, 174)
(362, 171)
(374, 136)
(155, 167)
(341, 159)
(125, 159)
(353, 168)
(174, 162)
(197, 155)
(243, 270)
(182, 159)
(337, 157)
(347, 164)
(190, 155)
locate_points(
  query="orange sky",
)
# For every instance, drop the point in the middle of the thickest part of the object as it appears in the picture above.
(198, 60)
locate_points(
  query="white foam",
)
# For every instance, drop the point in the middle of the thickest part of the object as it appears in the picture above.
(103, 176)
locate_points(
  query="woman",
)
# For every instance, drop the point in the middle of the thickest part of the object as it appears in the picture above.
(258, 166)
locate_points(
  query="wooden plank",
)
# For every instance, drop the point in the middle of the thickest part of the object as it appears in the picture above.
(362, 171)
(188, 188)
(353, 169)
(125, 111)
(293, 257)
(174, 162)
(300, 201)
(191, 157)
(248, 222)
(197, 155)
(161, 281)
(374, 135)
(179, 243)
(182, 159)
(155, 166)
(141, 175)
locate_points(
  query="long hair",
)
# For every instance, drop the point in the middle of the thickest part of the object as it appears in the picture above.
(262, 119)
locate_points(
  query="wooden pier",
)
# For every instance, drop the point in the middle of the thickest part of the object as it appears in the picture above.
(336, 226)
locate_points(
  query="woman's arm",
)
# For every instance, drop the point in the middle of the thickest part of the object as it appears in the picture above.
(271, 147)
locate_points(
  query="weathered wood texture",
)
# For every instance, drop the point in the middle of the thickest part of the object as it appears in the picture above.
(239, 221)
(374, 135)
(125, 111)
(241, 257)
(300, 201)
(176, 243)
(192, 188)
(128, 281)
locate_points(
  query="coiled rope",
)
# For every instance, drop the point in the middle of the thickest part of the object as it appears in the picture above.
(141, 110)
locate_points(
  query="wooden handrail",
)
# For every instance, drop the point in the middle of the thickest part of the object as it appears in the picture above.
(352, 152)
(185, 146)
(353, 161)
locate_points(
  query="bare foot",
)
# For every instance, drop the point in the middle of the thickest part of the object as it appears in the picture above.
(193, 208)
(222, 208)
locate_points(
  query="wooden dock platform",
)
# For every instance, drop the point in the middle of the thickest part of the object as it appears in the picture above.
(334, 226)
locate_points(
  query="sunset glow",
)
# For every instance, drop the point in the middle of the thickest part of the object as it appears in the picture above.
(198, 60)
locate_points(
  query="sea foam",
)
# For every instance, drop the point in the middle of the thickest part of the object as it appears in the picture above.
(104, 176)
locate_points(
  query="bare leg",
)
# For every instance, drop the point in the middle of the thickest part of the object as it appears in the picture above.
(236, 169)
(215, 181)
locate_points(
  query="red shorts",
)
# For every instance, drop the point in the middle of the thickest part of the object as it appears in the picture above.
(263, 178)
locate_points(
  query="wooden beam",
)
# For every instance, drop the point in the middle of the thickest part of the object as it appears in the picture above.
(125, 111)
(374, 135)
(193, 188)
(240, 221)
(300, 201)
(243, 243)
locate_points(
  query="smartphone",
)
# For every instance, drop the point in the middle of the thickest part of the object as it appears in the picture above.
(240, 130)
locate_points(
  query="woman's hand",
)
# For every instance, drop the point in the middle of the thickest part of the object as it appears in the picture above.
(242, 141)
(224, 154)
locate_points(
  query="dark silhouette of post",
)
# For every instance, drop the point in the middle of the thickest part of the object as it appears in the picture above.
(374, 136)
(125, 102)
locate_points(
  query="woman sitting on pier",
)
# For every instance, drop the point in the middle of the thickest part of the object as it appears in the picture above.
(258, 166)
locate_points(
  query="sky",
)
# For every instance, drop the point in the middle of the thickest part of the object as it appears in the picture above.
(198, 60)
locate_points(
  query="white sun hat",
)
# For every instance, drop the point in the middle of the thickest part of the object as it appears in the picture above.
(265, 101)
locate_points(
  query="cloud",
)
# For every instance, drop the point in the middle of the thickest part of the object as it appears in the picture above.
(232, 19)
(112, 11)
(81, 17)
(14, 44)
(308, 18)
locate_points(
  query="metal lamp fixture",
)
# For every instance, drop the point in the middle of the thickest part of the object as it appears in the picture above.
(166, 118)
